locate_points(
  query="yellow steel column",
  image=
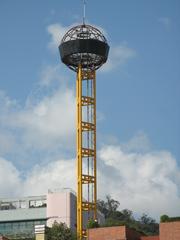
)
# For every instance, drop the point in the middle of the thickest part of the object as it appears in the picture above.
(95, 166)
(86, 149)
(79, 151)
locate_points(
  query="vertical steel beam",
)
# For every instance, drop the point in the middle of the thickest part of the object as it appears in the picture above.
(79, 152)
(95, 166)
(86, 149)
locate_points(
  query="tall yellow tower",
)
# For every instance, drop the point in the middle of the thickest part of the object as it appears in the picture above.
(84, 49)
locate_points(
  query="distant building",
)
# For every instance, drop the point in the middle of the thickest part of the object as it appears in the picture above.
(18, 217)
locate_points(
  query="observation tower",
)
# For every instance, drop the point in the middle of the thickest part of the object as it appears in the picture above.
(84, 49)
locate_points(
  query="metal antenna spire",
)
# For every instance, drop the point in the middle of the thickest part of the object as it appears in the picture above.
(84, 11)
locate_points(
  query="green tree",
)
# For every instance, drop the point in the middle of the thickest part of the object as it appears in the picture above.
(108, 207)
(127, 215)
(148, 225)
(164, 218)
(60, 231)
(92, 224)
(114, 217)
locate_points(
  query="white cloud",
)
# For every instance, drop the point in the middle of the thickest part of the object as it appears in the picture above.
(141, 179)
(143, 182)
(139, 143)
(51, 74)
(49, 121)
(6, 103)
(56, 32)
(7, 142)
(44, 126)
(118, 56)
(165, 21)
(9, 178)
(57, 174)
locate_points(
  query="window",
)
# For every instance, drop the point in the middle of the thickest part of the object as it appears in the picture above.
(19, 228)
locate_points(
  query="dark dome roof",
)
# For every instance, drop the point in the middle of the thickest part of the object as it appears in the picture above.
(85, 45)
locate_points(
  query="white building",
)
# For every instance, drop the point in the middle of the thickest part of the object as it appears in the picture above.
(18, 217)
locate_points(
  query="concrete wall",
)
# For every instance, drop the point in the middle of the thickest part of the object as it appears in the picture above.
(61, 207)
(73, 211)
(170, 231)
(58, 208)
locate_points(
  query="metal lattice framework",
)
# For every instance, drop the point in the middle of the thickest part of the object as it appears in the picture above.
(84, 45)
(84, 49)
(84, 31)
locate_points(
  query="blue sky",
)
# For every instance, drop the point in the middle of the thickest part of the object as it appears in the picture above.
(137, 97)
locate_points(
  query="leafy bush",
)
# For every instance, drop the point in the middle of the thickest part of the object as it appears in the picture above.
(114, 217)
(92, 224)
(166, 218)
(60, 231)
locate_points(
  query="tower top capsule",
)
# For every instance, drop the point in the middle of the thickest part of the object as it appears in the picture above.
(84, 45)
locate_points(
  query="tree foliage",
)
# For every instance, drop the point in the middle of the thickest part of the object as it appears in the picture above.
(148, 225)
(92, 224)
(114, 217)
(108, 207)
(166, 218)
(60, 231)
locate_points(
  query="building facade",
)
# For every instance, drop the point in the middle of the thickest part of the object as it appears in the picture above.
(18, 217)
